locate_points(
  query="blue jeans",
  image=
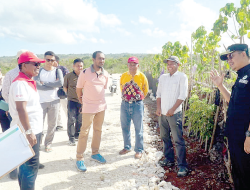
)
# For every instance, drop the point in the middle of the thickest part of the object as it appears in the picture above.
(173, 124)
(28, 171)
(74, 119)
(133, 111)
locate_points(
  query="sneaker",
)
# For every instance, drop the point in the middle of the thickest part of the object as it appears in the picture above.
(138, 155)
(166, 162)
(41, 166)
(71, 143)
(13, 174)
(182, 172)
(59, 128)
(76, 138)
(98, 158)
(80, 166)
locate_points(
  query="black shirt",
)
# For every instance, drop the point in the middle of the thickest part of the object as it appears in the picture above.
(238, 113)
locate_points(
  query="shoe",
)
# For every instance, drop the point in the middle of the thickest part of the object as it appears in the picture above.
(71, 143)
(41, 166)
(182, 172)
(80, 166)
(59, 128)
(76, 138)
(166, 162)
(13, 174)
(98, 158)
(48, 149)
(138, 155)
(124, 151)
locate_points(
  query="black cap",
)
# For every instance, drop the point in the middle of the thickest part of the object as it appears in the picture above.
(232, 48)
(172, 58)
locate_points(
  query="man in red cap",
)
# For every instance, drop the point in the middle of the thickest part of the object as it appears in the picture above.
(26, 111)
(134, 87)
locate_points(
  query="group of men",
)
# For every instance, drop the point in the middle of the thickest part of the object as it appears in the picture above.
(87, 105)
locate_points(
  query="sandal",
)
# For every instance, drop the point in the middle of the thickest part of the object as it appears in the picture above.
(48, 149)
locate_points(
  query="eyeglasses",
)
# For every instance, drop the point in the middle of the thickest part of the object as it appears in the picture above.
(36, 64)
(230, 56)
(50, 60)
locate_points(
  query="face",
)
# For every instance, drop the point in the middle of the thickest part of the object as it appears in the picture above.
(235, 60)
(133, 67)
(99, 60)
(78, 67)
(31, 68)
(50, 60)
(172, 67)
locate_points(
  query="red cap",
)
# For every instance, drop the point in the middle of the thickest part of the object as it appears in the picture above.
(29, 56)
(133, 60)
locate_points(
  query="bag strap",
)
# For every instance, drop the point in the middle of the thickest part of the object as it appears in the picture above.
(56, 72)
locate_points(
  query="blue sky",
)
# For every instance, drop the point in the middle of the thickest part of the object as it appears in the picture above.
(112, 26)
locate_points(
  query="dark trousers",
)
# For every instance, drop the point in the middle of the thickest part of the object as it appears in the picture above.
(173, 124)
(28, 171)
(4, 120)
(240, 165)
(74, 120)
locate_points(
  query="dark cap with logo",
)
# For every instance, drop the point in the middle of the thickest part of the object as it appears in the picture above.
(172, 58)
(233, 48)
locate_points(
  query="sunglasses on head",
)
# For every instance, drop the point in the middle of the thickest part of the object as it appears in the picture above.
(50, 60)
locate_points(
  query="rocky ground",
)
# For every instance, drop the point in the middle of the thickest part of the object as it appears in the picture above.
(120, 172)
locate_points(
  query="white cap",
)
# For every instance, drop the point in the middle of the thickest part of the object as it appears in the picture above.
(20, 52)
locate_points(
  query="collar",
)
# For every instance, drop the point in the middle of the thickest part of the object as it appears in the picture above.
(137, 73)
(23, 77)
(242, 71)
(176, 73)
(93, 70)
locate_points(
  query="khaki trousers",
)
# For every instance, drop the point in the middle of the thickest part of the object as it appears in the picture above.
(87, 119)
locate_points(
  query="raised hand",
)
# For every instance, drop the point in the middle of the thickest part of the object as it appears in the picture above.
(216, 78)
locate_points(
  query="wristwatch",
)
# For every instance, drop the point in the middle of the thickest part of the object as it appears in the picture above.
(247, 133)
(28, 132)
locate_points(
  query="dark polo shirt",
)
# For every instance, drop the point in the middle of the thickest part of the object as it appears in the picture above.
(238, 113)
(70, 81)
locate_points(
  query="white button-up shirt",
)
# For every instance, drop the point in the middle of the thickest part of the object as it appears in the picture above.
(8, 78)
(171, 88)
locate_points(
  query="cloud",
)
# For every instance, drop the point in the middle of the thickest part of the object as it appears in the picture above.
(124, 32)
(145, 20)
(102, 41)
(156, 32)
(57, 21)
(109, 20)
(192, 15)
(155, 50)
(134, 23)
(158, 12)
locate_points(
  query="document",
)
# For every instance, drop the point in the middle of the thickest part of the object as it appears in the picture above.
(14, 150)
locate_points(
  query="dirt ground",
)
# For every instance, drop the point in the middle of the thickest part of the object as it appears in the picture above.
(120, 172)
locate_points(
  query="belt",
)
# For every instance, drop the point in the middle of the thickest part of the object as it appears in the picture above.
(131, 102)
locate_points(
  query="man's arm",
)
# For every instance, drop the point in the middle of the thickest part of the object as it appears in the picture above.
(175, 106)
(218, 81)
(6, 87)
(145, 86)
(158, 110)
(65, 83)
(58, 82)
(23, 116)
(79, 94)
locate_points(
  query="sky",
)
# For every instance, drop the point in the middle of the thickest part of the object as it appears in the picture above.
(111, 26)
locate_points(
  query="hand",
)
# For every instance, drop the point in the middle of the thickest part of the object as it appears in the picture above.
(32, 139)
(158, 112)
(216, 78)
(170, 112)
(247, 145)
(80, 100)
(41, 82)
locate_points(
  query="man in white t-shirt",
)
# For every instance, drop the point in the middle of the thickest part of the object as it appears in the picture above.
(171, 92)
(26, 111)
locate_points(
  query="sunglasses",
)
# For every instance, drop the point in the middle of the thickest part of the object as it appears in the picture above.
(50, 60)
(36, 64)
(230, 56)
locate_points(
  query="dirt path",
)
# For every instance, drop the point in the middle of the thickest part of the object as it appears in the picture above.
(120, 172)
